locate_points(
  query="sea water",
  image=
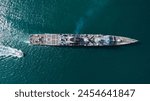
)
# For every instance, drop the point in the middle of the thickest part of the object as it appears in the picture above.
(45, 64)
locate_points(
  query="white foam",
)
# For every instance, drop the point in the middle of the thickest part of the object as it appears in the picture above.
(27, 42)
(6, 51)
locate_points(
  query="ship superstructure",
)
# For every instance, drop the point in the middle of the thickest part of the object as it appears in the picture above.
(79, 40)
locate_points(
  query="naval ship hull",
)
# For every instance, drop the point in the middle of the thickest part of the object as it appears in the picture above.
(79, 40)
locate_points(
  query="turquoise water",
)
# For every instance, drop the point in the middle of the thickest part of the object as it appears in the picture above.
(41, 64)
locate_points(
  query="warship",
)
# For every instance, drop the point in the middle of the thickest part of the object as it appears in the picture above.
(79, 40)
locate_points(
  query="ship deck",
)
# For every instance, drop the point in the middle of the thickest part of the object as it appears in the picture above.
(44, 39)
(79, 40)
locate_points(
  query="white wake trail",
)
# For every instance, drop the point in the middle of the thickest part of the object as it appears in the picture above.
(6, 51)
(8, 34)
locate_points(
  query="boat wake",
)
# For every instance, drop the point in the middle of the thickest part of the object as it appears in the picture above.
(6, 50)
(27, 42)
(7, 31)
(10, 52)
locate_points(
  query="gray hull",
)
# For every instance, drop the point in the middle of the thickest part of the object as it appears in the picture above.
(79, 40)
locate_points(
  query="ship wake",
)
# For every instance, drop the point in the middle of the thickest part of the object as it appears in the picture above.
(6, 51)
(9, 36)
